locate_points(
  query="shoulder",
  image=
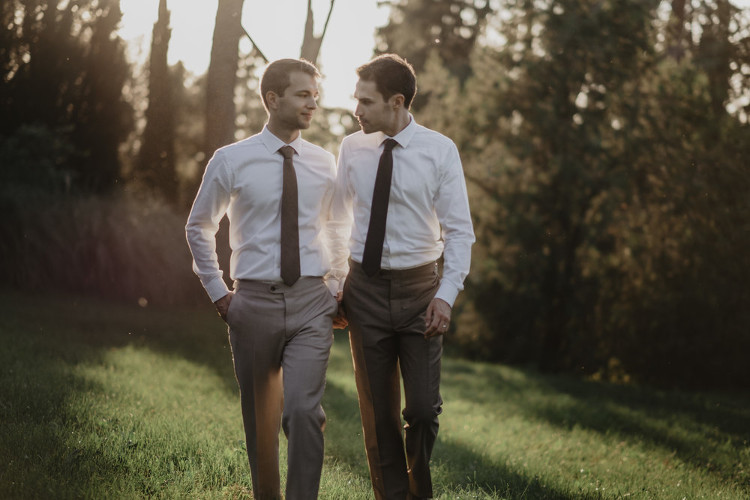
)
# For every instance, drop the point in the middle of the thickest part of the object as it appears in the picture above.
(241, 149)
(433, 138)
(439, 148)
(359, 141)
(359, 149)
(316, 153)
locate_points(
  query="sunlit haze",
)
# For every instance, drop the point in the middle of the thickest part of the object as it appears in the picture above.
(277, 27)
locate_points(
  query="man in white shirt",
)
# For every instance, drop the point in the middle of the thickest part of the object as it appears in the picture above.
(404, 186)
(281, 310)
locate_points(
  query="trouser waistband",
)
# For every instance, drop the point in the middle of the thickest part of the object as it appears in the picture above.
(424, 270)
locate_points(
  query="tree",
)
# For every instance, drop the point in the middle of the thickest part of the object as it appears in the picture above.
(64, 69)
(607, 192)
(156, 161)
(311, 43)
(221, 78)
(221, 81)
(449, 27)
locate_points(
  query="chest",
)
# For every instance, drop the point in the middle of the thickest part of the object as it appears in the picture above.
(258, 187)
(415, 178)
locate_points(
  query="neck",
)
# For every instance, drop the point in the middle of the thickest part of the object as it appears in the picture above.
(285, 134)
(400, 122)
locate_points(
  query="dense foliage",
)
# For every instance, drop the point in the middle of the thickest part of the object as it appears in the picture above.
(63, 69)
(609, 190)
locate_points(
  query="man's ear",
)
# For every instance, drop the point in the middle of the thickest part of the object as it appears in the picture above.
(397, 101)
(272, 98)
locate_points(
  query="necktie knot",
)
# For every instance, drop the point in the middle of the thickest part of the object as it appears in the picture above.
(287, 152)
(389, 144)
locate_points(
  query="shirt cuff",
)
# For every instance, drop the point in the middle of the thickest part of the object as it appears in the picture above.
(333, 285)
(216, 289)
(447, 292)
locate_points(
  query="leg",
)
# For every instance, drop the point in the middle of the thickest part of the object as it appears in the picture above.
(420, 366)
(374, 353)
(256, 336)
(310, 311)
(419, 360)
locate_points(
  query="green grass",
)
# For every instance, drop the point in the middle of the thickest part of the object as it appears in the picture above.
(99, 400)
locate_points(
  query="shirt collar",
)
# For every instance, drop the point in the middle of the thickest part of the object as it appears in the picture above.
(273, 143)
(404, 137)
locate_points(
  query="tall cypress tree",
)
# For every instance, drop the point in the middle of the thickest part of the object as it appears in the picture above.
(156, 161)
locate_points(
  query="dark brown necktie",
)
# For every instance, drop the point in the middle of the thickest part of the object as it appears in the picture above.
(289, 225)
(379, 211)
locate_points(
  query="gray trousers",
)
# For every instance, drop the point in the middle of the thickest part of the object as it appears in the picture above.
(281, 338)
(386, 325)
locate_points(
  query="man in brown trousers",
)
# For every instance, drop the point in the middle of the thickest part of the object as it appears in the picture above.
(404, 186)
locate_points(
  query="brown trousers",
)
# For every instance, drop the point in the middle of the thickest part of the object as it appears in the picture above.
(386, 325)
(281, 338)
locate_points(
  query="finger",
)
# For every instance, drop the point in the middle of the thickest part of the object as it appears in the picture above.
(429, 315)
(441, 325)
(433, 328)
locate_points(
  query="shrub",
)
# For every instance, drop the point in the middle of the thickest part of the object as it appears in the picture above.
(115, 247)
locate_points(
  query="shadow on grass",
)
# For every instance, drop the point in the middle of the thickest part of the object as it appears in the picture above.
(35, 384)
(455, 467)
(42, 341)
(197, 335)
(701, 430)
(706, 431)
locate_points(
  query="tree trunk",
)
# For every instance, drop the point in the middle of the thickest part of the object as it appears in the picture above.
(156, 161)
(676, 30)
(222, 76)
(311, 43)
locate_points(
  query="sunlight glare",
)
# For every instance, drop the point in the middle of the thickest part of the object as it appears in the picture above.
(277, 28)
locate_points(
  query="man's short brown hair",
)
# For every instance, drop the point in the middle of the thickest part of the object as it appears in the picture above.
(392, 75)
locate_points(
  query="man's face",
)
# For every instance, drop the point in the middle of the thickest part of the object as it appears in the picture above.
(295, 108)
(373, 112)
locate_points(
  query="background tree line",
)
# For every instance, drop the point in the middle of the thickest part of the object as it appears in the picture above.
(605, 144)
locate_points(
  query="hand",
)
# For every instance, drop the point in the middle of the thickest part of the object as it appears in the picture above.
(437, 318)
(222, 305)
(340, 321)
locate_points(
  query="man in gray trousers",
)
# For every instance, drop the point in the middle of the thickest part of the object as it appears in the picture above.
(404, 186)
(276, 190)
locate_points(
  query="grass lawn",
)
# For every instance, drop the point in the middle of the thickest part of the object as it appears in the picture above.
(101, 400)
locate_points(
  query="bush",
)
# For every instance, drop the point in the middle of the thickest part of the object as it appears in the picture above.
(33, 160)
(115, 247)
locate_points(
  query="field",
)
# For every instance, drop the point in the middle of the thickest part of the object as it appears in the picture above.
(104, 400)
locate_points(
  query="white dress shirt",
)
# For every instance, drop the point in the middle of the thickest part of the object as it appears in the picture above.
(428, 211)
(244, 181)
